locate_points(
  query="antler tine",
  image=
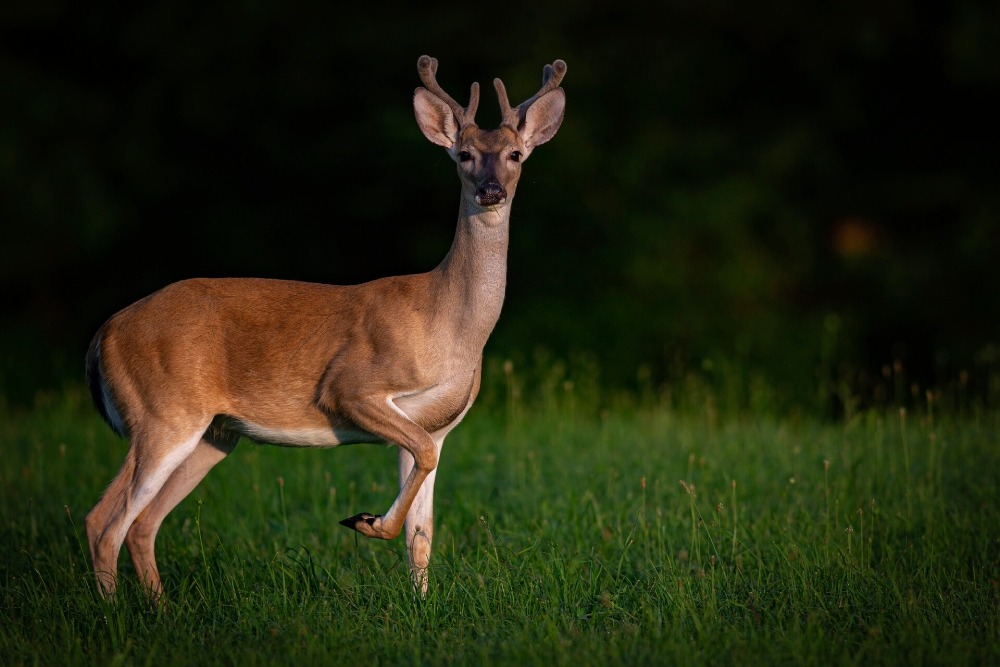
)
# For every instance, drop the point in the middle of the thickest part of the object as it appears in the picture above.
(470, 111)
(552, 76)
(508, 116)
(427, 69)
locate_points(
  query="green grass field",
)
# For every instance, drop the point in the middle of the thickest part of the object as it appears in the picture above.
(572, 529)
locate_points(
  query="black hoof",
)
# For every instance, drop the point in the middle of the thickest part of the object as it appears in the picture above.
(352, 521)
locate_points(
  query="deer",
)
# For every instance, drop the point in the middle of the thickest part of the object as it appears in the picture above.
(185, 372)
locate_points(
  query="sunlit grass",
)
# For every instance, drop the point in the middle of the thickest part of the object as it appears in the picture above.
(572, 528)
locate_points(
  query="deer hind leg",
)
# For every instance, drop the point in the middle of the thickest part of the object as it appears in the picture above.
(419, 520)
(141, 477)
(379, 416)
(141, 536)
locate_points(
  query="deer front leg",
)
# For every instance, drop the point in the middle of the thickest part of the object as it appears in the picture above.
(380, 416)
(419, 521)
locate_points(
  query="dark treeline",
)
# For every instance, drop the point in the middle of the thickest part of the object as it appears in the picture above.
(806, 193)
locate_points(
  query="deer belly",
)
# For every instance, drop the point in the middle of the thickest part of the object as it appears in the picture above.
(300, 436)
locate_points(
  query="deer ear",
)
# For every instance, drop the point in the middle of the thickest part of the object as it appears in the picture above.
(435, 118)
(543, 118)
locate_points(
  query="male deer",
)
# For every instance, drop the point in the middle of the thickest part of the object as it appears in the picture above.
(186, 371)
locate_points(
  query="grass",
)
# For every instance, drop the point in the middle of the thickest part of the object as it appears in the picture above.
(572, 529)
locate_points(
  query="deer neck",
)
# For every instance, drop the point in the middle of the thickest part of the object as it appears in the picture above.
(473, 275)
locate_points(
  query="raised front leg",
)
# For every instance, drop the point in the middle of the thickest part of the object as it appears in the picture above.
(379, 416)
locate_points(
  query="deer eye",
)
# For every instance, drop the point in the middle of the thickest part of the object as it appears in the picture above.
(464, 156)
(515, 156)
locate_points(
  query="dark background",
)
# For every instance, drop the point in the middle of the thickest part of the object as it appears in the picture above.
(802, 194)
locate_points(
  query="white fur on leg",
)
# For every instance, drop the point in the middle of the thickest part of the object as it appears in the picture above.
(419, 522)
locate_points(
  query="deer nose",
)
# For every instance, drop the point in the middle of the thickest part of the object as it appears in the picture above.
(490, 193)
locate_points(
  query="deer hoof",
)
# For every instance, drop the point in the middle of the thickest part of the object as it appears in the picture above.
(364, 523)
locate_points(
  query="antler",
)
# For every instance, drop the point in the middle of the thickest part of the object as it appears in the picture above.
(427, 68)
(552, 76)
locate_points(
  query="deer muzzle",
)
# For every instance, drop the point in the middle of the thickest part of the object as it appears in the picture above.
(490, 193)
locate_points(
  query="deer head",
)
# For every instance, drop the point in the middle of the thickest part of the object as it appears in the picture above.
(489, 161)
